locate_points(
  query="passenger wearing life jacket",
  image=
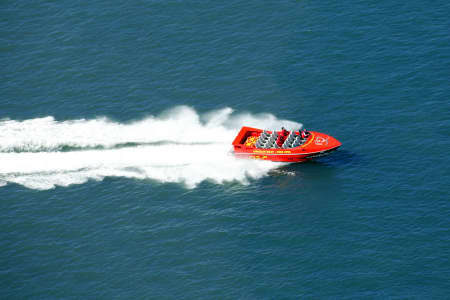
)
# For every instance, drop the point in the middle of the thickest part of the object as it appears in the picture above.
(282, 137)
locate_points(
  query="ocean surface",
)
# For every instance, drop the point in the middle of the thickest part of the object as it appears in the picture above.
(116, 122)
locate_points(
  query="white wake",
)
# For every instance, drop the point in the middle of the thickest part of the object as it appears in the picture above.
(179, 145)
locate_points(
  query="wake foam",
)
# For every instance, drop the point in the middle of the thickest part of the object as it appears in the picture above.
(179, 145)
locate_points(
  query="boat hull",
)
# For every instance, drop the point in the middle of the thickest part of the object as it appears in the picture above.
(315, 145)
(275, 155)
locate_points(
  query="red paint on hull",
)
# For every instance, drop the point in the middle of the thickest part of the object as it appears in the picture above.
(315, 145)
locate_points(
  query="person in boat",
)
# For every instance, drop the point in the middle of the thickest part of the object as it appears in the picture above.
(304, 133)
(282, 137)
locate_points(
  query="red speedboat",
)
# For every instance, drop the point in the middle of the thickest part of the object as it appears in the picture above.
(284, 145)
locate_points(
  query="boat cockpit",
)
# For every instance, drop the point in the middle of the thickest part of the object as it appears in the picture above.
(283, 139)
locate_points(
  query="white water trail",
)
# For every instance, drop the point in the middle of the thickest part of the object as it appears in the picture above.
(178, 146)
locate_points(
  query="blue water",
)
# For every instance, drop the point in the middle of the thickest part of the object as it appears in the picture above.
(115, 123)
